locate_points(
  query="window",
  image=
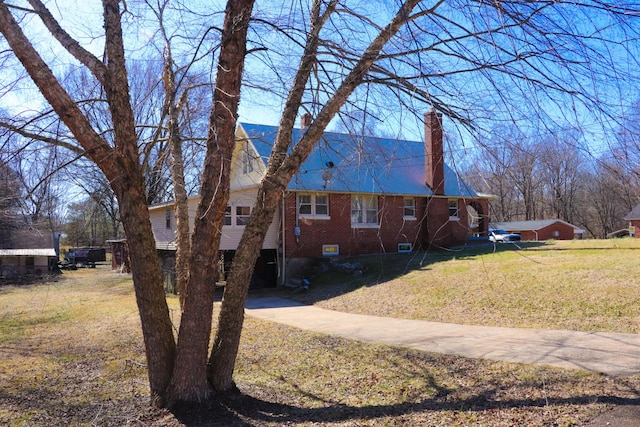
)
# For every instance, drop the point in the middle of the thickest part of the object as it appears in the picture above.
(167, 219)
(364, 210)
(29, 262)
(305, 207)
(322, 204)
(247, 159)
(313, 204)
(453, 208)
(227, 216)
(409, 207)
(242, 215)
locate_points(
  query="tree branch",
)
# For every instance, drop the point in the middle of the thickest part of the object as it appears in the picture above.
(71, 45)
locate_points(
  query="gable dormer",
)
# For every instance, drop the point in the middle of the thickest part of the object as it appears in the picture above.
(247, 166)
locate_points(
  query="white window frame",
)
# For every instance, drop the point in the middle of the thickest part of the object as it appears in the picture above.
(313, 205)
(237, 216)
(247, 159)
(364, 208)
(167, 219)
(228, 216)
(454, 209)
(410, 204)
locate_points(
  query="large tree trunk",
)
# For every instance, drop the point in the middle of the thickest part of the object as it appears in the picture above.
(157, 329)
(189, 381)
(281, 169)
(130, 190)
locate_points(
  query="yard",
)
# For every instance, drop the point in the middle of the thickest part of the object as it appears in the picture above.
(71, 350)
(588, 285)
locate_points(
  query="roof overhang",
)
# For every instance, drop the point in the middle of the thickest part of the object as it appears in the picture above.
(28, 252)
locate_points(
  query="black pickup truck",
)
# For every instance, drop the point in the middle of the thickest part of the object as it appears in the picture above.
(83, 257)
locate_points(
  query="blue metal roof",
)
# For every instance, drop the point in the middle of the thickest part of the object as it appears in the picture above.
(357, 164)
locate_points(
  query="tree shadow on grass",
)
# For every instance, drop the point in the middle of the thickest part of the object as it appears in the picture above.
(245, 410)
(470, 390)
(329, 280)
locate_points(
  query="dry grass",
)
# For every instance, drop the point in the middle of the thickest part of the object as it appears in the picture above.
(71, 354)
(591, 285)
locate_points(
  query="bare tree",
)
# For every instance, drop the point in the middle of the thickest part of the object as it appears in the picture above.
(476, 62)
(561, 163)
(10, 192)
(119, 163)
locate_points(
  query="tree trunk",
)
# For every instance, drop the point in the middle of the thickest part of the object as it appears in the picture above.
(183, 240)
(231, 318)
(281, 169)
(157, 329)
(120, 166)
(189, 381)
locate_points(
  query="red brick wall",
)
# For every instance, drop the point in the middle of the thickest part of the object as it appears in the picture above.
(443, 231)
(635, 223)
(315, 232)
(393, 227)
(565, 231)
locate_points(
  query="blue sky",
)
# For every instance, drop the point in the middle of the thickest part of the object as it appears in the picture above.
(489, 102)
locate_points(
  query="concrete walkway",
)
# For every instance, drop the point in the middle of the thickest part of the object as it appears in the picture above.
(609, 353)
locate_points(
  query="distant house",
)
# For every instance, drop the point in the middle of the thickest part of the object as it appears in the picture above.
(540, 230)
(354, 195)
(634, 221)
(26, 252)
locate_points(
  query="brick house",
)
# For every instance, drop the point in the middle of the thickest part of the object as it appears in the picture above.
(634, 221)
(354, 195)
(541, 230)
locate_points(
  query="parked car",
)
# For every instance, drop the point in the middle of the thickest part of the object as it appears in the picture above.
(503, 236)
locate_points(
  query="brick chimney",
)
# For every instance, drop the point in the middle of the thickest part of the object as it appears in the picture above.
(305, 120)
(434, 153)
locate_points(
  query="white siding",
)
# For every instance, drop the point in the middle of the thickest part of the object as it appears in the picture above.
(165, 237)
(241, 178)
(231, 234)
(244, 187)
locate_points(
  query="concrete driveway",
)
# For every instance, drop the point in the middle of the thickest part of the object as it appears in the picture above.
(609, 353)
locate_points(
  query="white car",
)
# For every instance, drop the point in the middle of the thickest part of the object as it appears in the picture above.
(503, 236)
